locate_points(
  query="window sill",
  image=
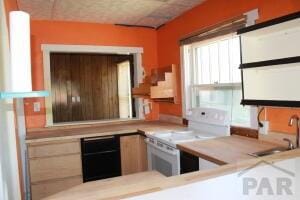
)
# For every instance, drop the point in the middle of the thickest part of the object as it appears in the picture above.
(218, 86)
(93, 122)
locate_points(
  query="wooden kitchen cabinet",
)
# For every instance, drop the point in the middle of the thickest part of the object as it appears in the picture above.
(47, 188)
(143, 153)
(54, 166)
(133, 154)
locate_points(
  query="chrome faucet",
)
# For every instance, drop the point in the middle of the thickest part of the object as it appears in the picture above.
(297, 119)
(291, 145)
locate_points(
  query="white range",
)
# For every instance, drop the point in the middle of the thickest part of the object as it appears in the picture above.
(204, 123)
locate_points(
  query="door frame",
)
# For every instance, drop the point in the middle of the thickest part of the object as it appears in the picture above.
(47, 49)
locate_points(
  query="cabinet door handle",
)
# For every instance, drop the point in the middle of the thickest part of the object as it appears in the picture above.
(98, 138)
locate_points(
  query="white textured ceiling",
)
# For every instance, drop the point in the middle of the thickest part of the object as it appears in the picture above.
(151, 13)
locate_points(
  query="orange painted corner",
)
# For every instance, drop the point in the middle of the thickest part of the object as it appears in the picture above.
(210, 13)
(10, 5)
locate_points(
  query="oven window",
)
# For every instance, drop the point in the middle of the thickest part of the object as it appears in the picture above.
(161, 165)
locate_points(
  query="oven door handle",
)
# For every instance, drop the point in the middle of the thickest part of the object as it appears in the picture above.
(173, 152)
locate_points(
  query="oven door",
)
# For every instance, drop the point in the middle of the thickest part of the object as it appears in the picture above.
(163, 158)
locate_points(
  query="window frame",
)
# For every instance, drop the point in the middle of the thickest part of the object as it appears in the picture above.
(47, 49)
(188, 60)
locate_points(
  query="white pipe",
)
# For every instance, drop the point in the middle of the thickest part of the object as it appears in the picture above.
(20, 51)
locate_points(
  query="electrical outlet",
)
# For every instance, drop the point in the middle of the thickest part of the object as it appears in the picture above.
(36, 107)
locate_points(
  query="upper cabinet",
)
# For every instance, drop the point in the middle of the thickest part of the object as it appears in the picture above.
(161, 85)
(270, 57)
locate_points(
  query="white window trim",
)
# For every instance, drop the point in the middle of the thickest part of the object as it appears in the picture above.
(50, 48)
(252, 16)
(185, 70)
(186, 77)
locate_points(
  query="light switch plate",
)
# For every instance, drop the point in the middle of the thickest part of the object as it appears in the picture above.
(36, 107)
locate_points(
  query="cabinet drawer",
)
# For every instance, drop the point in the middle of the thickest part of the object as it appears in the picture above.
(100, 144)
(47, 188)
(48, 168)
(46, 149)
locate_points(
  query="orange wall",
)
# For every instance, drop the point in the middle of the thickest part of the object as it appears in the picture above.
(54, 32)
(210, 13)
(160, 47)
(10, 5)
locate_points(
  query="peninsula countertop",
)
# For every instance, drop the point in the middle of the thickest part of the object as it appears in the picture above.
(225, 150)
(140, 186)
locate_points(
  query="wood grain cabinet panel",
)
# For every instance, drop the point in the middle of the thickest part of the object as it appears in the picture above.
(48, 168)
(47, 188)
(143, 153)
(54, 166)
(133, 154)
(46, 149)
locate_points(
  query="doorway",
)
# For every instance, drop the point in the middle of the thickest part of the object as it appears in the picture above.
(124, 90)
(87, 87)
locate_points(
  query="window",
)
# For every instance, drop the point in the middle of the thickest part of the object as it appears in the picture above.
(87, 87)
(213, 78)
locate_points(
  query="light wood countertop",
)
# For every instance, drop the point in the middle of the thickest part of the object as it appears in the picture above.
(94, 130)
(225, 150)
(143, 183)
(232, 150)
(139, 183)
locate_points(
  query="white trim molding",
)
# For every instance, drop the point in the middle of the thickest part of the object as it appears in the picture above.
(50, 48)
(91, 49)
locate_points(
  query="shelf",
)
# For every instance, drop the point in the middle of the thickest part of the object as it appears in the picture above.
(12, 95)
(280, 61)
(259, 28)
(218, 86)
(271, 62)
(141, 96)
(165, 87)
(164, 100)
(143, 89)
(278, 103)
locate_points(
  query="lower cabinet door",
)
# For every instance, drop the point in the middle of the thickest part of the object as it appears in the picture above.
(133, 154)
(44, 189)
(52, 168)
(130, 154)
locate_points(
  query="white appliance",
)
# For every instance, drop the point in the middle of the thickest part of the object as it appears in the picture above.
(204, 123)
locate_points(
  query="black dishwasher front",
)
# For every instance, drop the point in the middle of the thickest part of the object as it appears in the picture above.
(188, 163)
(100, 157)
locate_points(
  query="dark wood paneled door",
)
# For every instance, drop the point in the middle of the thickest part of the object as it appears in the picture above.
(85, 86)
